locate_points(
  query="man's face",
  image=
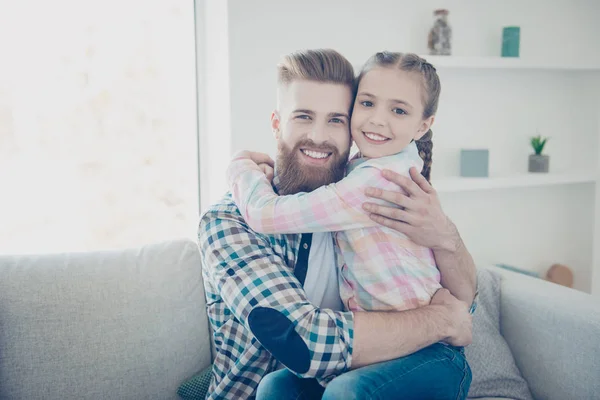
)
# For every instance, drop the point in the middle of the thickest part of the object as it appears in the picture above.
(312, 128)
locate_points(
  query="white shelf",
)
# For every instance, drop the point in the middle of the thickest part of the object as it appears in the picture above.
(509, 63)
(460, 184)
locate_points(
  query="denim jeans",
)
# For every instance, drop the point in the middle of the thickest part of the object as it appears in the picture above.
(436, 372)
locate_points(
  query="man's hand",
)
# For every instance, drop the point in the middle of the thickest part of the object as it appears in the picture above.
(382, 336)
(420, 216)
(458, 316)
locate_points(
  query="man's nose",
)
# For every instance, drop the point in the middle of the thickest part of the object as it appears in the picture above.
(317, 133)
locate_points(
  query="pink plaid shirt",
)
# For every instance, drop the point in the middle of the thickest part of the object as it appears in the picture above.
(380, 269)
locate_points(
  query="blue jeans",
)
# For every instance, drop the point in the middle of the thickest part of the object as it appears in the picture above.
(437, 372)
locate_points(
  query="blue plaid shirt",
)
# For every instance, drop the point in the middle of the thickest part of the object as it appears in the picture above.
(259, 311)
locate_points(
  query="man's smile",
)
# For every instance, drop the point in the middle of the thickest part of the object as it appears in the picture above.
(315, 156)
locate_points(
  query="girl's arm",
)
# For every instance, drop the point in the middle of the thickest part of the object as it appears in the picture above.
(333, 207)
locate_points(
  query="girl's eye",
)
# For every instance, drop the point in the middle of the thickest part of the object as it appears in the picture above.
(398, 111)
(303, 116)
(367, 103)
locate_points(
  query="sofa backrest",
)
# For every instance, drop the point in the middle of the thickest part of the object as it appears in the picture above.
(108, 325)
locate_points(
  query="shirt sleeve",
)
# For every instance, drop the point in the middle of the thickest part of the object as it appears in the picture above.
(330, 208)
(261, 291)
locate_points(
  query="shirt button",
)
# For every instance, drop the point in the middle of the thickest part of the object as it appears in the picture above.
(305, 246)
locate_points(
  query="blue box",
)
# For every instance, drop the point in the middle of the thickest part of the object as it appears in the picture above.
(475, 163)
(511, 38)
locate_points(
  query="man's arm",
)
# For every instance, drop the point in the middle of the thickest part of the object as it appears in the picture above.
(421, 218)
(457, 268)
(383, 336)
(265, 296)
(445, 319)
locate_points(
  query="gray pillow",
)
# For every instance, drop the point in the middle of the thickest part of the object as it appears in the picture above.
(495, 373)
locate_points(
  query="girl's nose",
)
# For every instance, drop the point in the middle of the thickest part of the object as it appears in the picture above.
(377, 117)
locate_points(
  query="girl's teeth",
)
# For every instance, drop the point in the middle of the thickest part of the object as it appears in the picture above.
(375, 137)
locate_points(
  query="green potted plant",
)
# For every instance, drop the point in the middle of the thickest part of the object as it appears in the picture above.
(538, 162)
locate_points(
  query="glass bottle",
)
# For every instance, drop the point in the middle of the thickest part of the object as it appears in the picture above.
(440, 35)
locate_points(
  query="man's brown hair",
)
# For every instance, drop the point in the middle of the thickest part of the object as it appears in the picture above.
(320, 65)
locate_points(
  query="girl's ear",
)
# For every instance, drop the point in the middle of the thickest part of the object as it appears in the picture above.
(424, 127)
(275, 124)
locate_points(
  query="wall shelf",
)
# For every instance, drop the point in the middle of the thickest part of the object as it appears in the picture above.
(467, 62)
(460, 184)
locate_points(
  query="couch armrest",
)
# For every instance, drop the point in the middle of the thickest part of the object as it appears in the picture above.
(554, 334)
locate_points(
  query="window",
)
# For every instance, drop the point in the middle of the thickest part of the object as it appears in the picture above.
(98, 130)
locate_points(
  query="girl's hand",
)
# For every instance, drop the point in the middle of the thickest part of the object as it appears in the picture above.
(258, 158)
(268, 171)
(420, 216)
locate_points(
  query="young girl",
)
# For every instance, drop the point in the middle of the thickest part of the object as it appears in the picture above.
(380, 269)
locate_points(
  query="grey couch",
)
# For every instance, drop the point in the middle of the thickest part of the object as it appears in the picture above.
(132, 324)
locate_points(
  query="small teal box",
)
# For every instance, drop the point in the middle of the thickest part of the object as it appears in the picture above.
(511, 38)
(475, 163)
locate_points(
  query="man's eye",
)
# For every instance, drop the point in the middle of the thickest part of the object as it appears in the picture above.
(337, 120)
(367, 103)
(303, 116)
(398, 111)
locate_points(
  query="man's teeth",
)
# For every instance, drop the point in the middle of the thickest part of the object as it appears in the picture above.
(315, 154)
(374, 136)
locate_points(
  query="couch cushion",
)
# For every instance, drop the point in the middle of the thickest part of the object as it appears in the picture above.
(554, 334)
(109, 325)
(495, 373)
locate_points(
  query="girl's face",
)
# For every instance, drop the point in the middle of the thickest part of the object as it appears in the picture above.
(388, 112)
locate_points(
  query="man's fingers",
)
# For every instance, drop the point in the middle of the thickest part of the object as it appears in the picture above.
(389, 212)
(401, 227)
(420, 180)
(404, 182)
(440, 296)
(397, 198)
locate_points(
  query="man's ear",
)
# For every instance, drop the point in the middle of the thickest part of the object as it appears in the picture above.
(424, 128)
(275, 124)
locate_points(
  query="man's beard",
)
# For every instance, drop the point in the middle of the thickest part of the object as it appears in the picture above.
(295, 176)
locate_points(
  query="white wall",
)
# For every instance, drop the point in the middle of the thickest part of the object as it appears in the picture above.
(596, 263)
(212, 62)
(529, 228)
(261, 31)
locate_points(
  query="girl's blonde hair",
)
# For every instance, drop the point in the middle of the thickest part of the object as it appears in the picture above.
(410, 62)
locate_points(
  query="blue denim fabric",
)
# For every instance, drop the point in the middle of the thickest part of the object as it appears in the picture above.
(438, 372)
